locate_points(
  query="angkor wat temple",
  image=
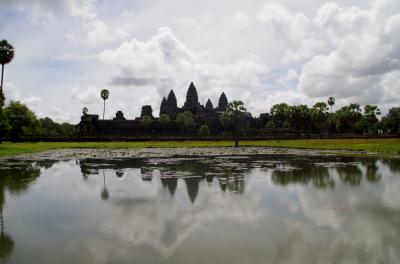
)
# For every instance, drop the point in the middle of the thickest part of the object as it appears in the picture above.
(202, 114)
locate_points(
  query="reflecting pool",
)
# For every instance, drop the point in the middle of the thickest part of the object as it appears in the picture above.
(258, 209)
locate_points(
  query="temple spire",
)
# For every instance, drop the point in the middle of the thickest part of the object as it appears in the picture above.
(192, 99)
(209, 105)
(163, 106)
(171, 107)
(171, 101)
(223, 102)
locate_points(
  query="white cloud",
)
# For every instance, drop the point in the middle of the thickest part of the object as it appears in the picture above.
(293, 29)
(292, 76)
(365, 54)
(141, 63)
(12, 93)
(32, 101)
(240, 20)
(50, 10)
(165, 62)
(61, 116)
(82, 8)
(93, 30)
(96, 33)
(89, 96)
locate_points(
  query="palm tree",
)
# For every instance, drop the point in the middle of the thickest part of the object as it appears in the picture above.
(2, 99)
(236, 110)
(370, 117)
(104, 95)
(280, 113)
(6, 56)
(331, 102)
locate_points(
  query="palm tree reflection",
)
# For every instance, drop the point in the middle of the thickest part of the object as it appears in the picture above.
(104, 192)
(15, 179)
(6, 242)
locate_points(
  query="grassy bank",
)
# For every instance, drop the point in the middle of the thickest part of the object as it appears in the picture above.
(381, 146)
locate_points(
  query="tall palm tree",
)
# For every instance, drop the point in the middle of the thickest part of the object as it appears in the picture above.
(236, 110)
(6, 56)
(104, 95)
(331, 102)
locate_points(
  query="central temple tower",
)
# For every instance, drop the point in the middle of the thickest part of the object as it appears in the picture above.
(222, 102)
(192, 99)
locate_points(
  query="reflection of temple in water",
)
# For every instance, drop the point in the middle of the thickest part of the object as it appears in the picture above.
(147, 174)
(191, 172)
(192, 186)
(230, 175)
(170, 184)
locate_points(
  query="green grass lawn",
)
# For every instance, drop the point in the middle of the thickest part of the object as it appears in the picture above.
(381, 146)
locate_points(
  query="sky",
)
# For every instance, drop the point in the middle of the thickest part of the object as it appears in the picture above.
(261, 52)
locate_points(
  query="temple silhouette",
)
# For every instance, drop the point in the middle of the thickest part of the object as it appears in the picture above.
(202, 114)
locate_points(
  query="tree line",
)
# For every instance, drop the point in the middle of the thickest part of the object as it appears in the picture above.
(321, 119)
(17, 122)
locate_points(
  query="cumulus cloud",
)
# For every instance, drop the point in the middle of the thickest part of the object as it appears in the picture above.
(293, 29)
(96, 33)
(365, 55)
(85, 96)
(240, 20)
(48, 10)
(292, 76)
(165, 62)
(12, 93)
(61, 116)
(157, 59)
(390, 84)
(93, 30)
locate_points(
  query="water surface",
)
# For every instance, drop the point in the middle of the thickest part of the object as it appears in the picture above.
(265, 209)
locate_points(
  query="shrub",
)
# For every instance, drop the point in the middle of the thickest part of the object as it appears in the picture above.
(204, 131)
